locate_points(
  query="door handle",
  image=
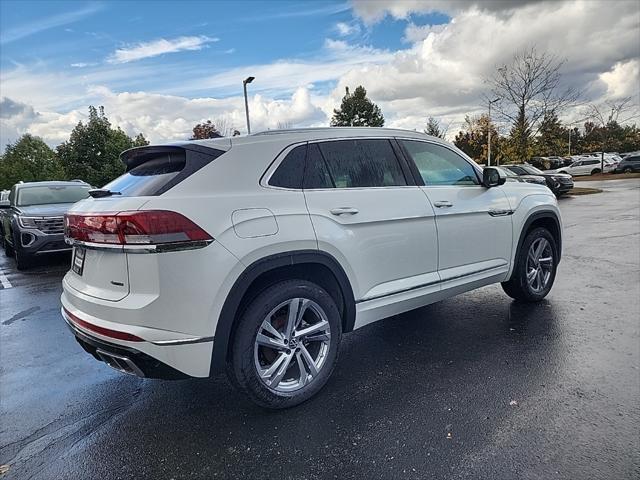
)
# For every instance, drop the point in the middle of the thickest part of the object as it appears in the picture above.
(344, 211)
(443, 204)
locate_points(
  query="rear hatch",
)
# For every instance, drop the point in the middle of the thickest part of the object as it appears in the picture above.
(105, 227)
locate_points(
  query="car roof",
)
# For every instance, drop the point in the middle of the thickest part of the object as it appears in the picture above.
(289, 136)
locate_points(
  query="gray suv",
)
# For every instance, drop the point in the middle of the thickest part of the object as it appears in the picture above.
(33, 223)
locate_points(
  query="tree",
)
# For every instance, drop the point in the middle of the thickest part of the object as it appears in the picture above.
(473, 140)
(140, 141)
(92, 152)
(604, 131)
(435, 129)
(29, 159)
(356, 110)
(205, 130)
(528, 90)
(553, 137)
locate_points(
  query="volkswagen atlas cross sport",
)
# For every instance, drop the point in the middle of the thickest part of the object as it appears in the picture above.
(256, 254)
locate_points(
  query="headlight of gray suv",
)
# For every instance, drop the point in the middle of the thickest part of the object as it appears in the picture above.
(27, 222)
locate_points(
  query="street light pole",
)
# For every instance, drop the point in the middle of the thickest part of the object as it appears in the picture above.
(489, 134)
(246, 103)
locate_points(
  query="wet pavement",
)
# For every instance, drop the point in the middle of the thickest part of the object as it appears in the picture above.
(472, 387)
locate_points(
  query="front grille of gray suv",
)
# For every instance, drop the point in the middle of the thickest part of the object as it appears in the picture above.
(50, 226)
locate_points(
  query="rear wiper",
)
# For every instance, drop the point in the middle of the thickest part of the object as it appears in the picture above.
(102, 192)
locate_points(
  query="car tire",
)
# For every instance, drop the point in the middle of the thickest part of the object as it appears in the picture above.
(8, 249)
(23, 260)
(525, 285)
(254, 366)
(595, 171)
(627, 170)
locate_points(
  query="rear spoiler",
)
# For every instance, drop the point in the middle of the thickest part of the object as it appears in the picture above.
(138, 155)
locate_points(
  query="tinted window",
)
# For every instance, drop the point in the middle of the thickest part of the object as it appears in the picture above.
(150, 176)
(43, 195)
(291, 170)
(518, 170)
(316, 173)
(362, 163)
(440, 166)
(532, 170)
(591, 162)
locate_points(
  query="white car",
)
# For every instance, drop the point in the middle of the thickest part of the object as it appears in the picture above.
(587, 166)
(257, 253)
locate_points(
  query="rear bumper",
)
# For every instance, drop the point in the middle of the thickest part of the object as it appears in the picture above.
(124, 359)
(146, 352)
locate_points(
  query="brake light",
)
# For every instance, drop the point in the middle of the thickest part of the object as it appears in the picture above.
(148, 227)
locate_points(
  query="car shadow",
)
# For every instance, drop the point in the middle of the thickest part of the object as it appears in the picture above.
(413, 384)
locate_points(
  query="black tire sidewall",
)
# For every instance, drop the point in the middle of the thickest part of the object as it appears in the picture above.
(242, 358)
(524, 290)
(23, 260)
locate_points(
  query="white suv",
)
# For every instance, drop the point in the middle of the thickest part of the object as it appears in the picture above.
(257, 253)
(587, 166)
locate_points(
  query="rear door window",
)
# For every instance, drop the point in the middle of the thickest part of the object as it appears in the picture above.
(359, 163)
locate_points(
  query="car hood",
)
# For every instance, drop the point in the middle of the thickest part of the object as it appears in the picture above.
(554, 173)
(51, 210)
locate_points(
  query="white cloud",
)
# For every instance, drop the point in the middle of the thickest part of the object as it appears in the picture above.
(345, 29)
(372, 11)
(21, 31)
(159, 47)
(622, 80)
(82, 65)
(285, 76)
(416, 33)
(164, 118)
(440, 73)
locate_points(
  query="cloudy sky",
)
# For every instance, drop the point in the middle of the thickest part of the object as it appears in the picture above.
(160, 68)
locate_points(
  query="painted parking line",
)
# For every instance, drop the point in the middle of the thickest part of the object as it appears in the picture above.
(4, 281)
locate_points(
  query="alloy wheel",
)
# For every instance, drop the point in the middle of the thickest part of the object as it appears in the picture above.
(292, 345)
(539, 264)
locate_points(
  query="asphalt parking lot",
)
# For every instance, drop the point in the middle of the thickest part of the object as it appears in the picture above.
(473, 387)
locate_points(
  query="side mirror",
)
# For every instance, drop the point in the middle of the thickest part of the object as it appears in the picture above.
(491, 177)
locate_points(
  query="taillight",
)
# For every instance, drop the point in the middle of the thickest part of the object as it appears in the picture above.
(149, 227)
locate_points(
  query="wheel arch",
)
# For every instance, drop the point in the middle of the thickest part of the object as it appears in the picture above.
(317, 266)
(547, 219)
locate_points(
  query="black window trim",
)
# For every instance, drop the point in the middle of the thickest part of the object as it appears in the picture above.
(414, 168)
(408, 178)
(265, 179)
(405, 166)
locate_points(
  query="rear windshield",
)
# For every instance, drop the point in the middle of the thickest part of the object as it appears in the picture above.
(156, 169)
(45, 195)
(151, 176)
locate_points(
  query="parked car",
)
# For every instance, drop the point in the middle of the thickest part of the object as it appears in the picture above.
(511, 176)
(4, 199)
(256, 254)
(629, 164)
(586, 166)
(547, 163)
(33, 225)
(558, 183)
